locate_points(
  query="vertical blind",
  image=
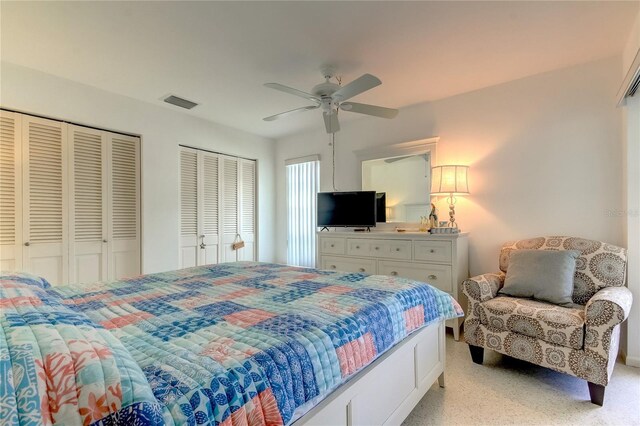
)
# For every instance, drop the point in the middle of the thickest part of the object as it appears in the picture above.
(303, 183)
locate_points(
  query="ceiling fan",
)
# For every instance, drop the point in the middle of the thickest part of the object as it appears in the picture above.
(331, 97)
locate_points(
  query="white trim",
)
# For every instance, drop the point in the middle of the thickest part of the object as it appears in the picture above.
(305, 159)
(632, 74)
(632, 210)
(422, 146)
(417, 147)
(632, 361)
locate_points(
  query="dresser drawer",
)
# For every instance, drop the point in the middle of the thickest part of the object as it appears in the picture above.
(348, 264)
(359, 247)
(433, 251)
(438, 276)
(332, 245)
(390, 249)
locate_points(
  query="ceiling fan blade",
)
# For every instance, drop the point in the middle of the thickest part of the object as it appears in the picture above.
(293, 111)
(357, 86)
(374, 110)
(292, 91)
(331, 122)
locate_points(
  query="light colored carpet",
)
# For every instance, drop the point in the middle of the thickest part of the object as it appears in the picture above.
(506, 391)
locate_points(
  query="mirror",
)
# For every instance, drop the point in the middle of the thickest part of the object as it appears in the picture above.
(403, 173)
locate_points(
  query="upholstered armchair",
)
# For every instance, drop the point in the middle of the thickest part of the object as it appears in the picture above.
(581, 339)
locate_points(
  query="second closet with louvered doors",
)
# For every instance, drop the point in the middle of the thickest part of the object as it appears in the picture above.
(69, 199)
(104, 220)
(217, 208)
(199, 201)
(238, 208)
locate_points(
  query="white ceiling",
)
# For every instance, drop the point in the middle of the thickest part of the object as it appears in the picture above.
(220, 53)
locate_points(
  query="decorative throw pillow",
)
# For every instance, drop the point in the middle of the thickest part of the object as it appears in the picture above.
(545, 275)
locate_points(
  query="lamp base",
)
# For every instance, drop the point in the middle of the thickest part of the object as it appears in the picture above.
(452, 212)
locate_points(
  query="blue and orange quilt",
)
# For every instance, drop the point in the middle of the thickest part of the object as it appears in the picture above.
(229, 344)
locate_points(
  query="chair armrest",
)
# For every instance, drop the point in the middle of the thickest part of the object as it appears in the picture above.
(609, 306)
(483, 287)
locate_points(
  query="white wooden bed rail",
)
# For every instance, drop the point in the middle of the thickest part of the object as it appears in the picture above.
(385, 392)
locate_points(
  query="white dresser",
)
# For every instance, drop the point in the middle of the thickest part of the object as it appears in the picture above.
(439, 260)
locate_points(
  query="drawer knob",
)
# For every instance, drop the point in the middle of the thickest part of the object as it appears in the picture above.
(398, 249)
(432, 251)
(362, 269)
(377, 248)
(357, 247)
(432, 277)
(394, 273)
(332, 245)
(333, 266)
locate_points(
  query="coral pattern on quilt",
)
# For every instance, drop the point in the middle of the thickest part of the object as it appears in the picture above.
(58, 367)
(248, 343)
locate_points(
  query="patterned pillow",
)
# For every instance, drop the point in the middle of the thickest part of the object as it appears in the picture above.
(25, 278)
(599, 265)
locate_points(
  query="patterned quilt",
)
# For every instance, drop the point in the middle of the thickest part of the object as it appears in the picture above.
(231, 344)
(58, 366)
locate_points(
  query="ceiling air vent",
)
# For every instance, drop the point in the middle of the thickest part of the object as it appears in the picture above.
(182, 103)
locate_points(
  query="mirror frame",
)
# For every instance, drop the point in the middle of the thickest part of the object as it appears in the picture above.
(418, 147)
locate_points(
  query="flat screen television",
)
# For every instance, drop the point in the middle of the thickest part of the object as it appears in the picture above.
(347, 209)
(381, 207)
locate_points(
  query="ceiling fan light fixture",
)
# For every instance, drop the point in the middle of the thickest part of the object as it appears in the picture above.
(330, 96)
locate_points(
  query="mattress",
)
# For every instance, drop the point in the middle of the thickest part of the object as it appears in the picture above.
(236, 343)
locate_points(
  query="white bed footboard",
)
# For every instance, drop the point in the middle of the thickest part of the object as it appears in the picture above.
(386, 391)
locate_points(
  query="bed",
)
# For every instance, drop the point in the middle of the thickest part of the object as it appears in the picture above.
(229, 344)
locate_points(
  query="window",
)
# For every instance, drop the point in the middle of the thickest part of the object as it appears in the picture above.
(303, 183)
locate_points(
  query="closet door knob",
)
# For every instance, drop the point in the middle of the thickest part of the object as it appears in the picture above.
(105, 241)
(27, 244)
(432, 277)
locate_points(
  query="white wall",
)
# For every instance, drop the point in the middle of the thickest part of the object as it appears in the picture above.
(545, 155)
(162, 129)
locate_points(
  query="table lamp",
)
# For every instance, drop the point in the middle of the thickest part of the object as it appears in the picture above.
(450, 180)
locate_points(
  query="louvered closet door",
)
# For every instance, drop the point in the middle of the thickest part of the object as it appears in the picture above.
(189, 244)
(10, 192)
(247, 212)
(88, 226)
(229, 201)
(45, 202)
(208, 212)
(124, 206)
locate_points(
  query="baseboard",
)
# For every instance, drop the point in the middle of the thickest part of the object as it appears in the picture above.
(632, 361)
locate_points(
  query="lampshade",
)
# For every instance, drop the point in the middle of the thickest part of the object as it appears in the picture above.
(449, 180)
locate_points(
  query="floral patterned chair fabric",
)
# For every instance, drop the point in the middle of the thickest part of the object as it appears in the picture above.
(581, 340)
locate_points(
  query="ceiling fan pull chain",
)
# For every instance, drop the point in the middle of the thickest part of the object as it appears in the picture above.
(333, 147)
